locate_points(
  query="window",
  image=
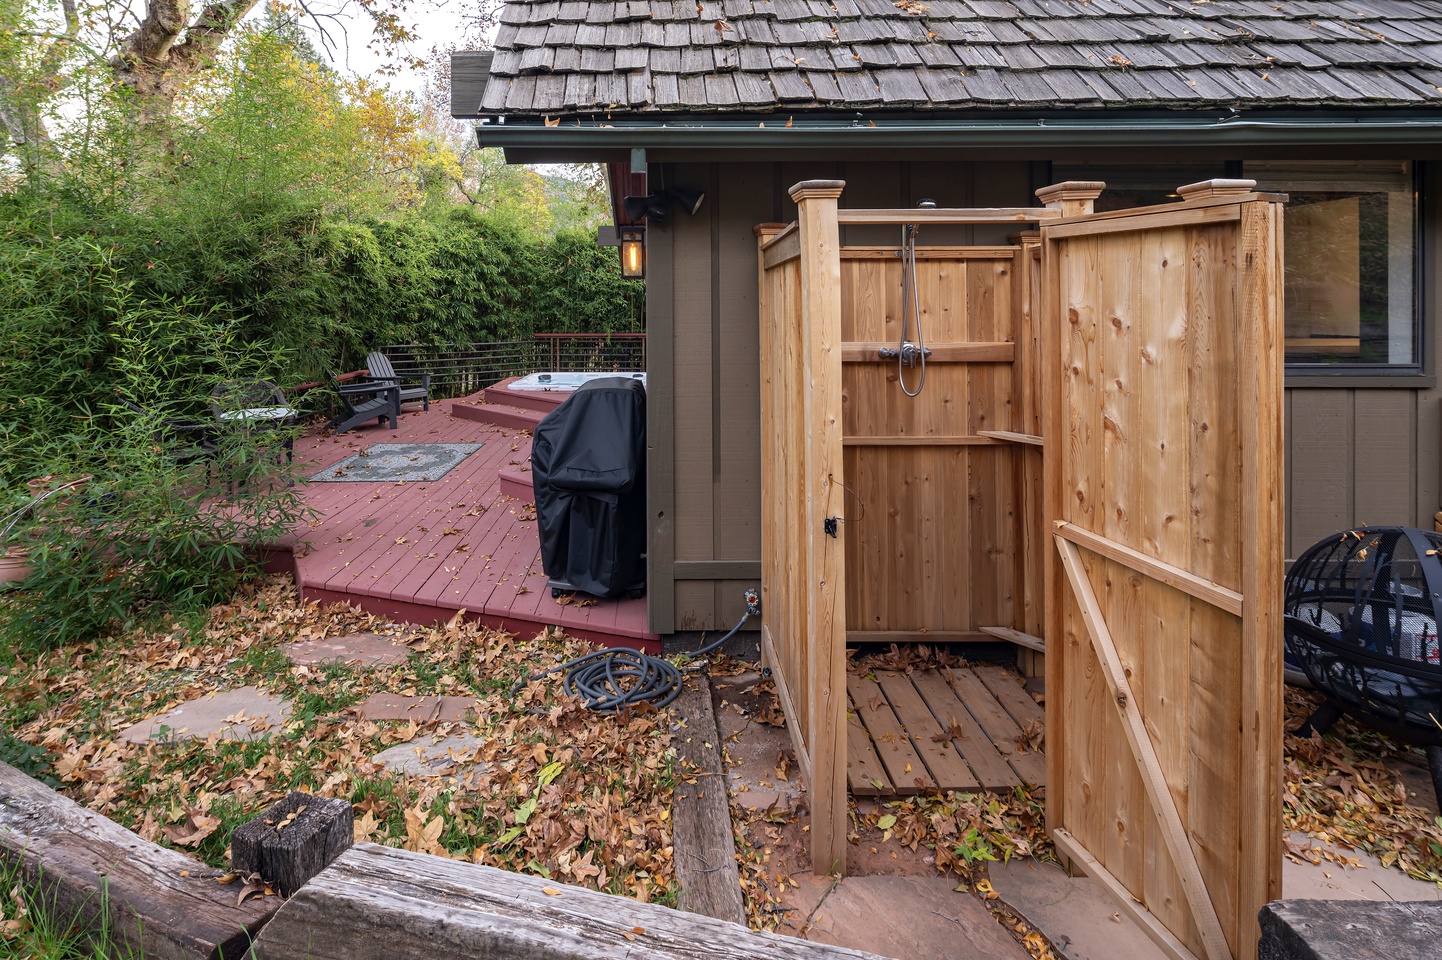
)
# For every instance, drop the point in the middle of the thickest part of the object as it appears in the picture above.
(1351, 248)
(1351, 262)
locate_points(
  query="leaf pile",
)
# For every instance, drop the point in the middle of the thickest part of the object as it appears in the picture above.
(907, 659)
(567, 794)
(1341, 788)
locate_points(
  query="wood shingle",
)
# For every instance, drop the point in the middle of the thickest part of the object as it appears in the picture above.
(571, 57)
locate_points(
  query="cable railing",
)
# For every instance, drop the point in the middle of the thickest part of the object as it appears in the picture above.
(460, 369)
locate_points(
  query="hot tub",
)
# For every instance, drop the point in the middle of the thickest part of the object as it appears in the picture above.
(565, 382)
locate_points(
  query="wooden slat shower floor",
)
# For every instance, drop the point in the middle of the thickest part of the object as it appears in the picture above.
(962, 728)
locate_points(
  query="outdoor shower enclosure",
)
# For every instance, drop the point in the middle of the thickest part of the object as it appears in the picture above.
(1092, 470)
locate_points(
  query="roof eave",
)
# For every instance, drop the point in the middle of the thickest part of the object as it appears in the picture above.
(1111, 130)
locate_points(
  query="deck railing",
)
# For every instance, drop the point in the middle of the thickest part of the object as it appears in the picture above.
(458, 369)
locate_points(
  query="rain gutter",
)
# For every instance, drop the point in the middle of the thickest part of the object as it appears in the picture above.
(775, 132)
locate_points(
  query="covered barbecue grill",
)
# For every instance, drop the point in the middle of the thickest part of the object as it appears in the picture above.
(588, 468)
(1361, 612)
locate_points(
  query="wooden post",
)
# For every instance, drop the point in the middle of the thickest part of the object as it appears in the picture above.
(1074, 198)
(821, 542)
(1260, 261)
(293, 840)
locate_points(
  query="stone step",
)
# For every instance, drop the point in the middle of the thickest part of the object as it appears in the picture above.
(500, 415)
(516, 482)
(542, 400)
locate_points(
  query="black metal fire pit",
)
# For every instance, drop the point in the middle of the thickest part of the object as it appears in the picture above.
(1362, 612)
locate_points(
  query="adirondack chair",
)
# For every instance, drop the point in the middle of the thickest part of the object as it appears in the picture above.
(365, 400)
(382, 371)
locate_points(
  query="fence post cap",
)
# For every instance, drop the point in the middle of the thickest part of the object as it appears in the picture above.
(817, 190)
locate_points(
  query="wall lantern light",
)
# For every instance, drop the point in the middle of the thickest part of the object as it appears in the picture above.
(633, 252)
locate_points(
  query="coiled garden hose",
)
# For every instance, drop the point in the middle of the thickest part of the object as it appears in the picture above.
(617, 678)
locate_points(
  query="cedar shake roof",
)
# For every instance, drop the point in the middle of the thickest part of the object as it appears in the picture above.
(556, 58)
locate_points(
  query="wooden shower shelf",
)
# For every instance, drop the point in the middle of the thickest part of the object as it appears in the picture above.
(1016, 637)
(1009, 437)
(921, 440)
(902, 731)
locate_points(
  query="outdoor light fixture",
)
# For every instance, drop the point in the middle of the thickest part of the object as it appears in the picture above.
(657, 206)
(690, 200)
(633, 252)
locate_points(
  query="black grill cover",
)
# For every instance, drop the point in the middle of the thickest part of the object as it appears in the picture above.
(588, 467)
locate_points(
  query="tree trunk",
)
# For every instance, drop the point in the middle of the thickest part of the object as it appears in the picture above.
(155, 63)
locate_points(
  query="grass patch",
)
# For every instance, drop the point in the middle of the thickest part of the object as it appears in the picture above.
(33, 926)
(570, 795)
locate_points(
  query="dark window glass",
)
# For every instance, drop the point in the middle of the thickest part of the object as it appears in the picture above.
(1350, 237)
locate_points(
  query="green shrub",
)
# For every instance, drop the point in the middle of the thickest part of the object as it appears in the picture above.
(151, 529)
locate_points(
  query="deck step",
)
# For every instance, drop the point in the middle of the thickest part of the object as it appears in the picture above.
(516, 482)
(542, 400)
(500, 415)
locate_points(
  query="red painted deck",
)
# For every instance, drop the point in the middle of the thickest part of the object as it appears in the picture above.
(421, 551)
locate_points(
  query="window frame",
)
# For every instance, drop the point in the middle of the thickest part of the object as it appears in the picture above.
(1416, 375)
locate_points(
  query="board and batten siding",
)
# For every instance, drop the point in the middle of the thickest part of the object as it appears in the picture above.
(1369, 454)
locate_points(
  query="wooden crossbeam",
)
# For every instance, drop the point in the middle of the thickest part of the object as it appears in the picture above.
(998, 351)
(1073, 850)
(1012, 437)
(948, 215)
(783, 692)
(785, 246)
(1163, 804)
(1175, 577)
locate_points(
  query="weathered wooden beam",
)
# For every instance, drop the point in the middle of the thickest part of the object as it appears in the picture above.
(704, 849)
(94, 872)
(293, 840)
(1361, 930)
(378, 901)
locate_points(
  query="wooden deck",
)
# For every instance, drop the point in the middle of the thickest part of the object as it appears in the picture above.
(419, 552)
(957, 729)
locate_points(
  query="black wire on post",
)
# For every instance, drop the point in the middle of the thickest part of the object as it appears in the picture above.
(600, 679)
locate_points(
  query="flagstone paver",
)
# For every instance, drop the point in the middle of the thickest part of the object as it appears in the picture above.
(919, 918)
(363, 649)
(395, 706)
(1369, 880)
(245, 713)
(435, 757)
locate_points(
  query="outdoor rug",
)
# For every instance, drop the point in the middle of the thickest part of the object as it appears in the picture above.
(392, 462)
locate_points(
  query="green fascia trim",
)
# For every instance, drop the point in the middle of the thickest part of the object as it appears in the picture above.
(833, 134)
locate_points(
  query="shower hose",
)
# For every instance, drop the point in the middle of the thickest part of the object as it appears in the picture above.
(612, 680)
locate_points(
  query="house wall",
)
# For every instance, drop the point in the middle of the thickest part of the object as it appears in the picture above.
(1373, 454)
(1365, 454)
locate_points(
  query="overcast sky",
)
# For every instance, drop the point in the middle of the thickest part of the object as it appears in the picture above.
(439, 23)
